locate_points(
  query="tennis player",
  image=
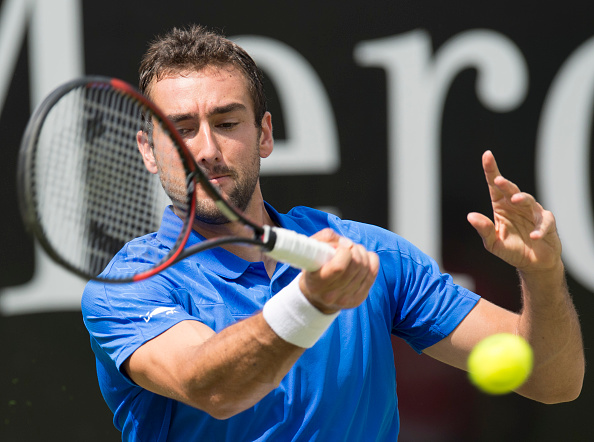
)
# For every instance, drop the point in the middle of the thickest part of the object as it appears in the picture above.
(230, 345)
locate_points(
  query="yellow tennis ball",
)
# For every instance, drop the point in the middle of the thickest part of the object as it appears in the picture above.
(500, 363)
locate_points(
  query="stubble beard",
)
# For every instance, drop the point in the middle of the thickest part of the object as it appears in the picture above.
(245, 179)
(239, 195)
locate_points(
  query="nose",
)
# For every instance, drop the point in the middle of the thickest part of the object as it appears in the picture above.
(205, 147)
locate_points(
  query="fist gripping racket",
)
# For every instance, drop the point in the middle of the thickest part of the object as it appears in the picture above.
(84, 190)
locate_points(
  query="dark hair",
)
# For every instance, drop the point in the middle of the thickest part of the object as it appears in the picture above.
(195, 48)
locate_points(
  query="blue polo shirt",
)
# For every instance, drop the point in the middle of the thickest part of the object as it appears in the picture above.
(343, 388)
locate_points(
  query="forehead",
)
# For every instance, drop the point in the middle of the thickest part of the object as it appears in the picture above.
(211, 85)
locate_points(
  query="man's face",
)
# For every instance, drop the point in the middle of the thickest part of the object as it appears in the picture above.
(213, 112)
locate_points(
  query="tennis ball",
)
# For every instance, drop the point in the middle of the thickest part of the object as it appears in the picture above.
(500, 363)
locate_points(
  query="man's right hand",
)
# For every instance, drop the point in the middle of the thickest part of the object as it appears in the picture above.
(345, 280)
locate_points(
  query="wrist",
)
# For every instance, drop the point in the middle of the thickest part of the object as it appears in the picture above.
(294, 319)
(549, 275)
(544, 289)
(321, 307)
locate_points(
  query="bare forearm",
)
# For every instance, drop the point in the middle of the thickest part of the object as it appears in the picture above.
(227, 372)
(238, 367)
(550, 323)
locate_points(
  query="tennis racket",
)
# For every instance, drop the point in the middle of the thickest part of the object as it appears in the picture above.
(84, 190)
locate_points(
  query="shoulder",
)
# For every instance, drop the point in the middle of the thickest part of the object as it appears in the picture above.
(375, 238)
(135, 256)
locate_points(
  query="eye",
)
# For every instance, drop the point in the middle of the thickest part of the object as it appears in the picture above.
(227, 125)
(185, 131)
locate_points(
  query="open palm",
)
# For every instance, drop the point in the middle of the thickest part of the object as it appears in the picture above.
(522, 232)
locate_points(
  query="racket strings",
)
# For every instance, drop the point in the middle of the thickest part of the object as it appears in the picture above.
(92, 188)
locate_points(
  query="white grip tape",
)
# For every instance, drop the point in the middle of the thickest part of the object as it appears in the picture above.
(294, 319)
(299, 250)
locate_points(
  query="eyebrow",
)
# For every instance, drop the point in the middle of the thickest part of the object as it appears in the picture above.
(218, 110)
(231, 107)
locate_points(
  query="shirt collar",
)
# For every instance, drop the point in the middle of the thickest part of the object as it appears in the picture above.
(217, 260)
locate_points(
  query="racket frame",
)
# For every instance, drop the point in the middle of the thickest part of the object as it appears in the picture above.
(263, 236)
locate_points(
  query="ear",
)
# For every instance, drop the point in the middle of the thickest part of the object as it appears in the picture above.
(266, 139)
(147, 152)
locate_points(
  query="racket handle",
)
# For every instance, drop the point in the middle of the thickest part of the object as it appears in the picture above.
(297, 249)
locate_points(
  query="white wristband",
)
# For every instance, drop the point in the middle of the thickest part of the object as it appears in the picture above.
(294, 319)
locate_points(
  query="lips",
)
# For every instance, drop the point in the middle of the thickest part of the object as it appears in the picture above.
(218, 175)
(216, 179)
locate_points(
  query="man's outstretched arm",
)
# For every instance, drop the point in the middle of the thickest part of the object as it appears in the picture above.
(524, 235)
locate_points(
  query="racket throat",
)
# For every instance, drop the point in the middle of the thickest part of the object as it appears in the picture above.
(268, 238)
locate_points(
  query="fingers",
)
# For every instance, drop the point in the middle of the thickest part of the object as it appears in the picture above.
(490, 166)
(521, 232)
(491, 173)
(327, 235)
(484, 227)
(344, 281)
(499, 186)
(353, 275)
(526, 207)
(544, 224)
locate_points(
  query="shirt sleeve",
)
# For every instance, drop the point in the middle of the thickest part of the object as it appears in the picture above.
(424, 305)
(122, 317)
(428, 304)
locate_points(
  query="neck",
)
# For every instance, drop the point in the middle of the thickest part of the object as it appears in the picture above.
(257, 213)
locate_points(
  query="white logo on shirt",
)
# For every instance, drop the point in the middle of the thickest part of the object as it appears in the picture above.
(158, 310)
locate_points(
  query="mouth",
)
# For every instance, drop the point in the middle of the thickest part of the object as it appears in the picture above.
(218, 179)
(218, 175)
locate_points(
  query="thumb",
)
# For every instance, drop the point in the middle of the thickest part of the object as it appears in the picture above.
(484, 227)
(328, 235)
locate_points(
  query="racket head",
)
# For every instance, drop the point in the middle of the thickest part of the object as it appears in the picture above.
(84, 189)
